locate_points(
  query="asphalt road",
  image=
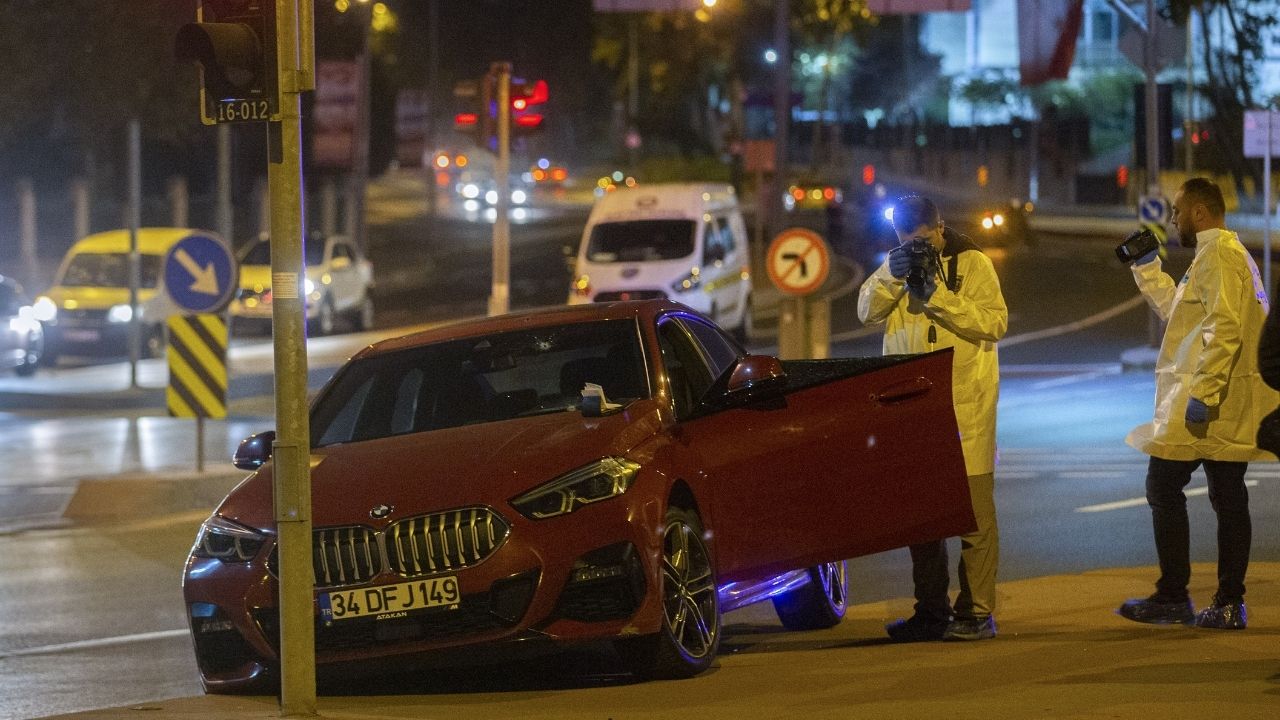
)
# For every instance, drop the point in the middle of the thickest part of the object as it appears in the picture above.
(94, 614)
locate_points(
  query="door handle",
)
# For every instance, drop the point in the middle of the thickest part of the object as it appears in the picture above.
(903, 391)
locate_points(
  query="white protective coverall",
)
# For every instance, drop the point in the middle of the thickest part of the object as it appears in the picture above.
(1215, 316)
(970, 319)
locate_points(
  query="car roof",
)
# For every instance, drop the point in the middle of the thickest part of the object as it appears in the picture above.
(640, 310)
(666, 199)
(151, 240)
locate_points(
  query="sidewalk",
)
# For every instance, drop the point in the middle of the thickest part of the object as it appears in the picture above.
(1062, 653)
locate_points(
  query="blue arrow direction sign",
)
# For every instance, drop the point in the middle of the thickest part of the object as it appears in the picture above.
(1153, 209)
(200, 274)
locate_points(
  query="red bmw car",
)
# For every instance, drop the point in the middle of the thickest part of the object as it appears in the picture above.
(621, 472)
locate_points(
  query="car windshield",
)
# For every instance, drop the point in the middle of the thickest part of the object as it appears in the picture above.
(482, 379)
(641, 240)
(260, 253)
(110, 270)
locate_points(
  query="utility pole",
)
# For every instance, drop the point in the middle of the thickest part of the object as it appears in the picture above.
(291, 449)
(500, 295)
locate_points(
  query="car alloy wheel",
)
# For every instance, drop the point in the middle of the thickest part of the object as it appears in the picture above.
(690, 633)
(820, 603)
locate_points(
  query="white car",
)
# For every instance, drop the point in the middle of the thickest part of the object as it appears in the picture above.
(338, 285)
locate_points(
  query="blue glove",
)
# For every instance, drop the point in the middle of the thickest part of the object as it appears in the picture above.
(899, 262)
(1197, 412)
(925, 292)
(1147, 258)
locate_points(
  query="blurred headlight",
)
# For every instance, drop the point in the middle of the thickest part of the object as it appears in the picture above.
(518, 197)
(688, 282)
(470, 191)
(491, 197)
(119, 314)
(224, 540)
(601, 480)
(45, 309)
(987, 223)
(308, 286)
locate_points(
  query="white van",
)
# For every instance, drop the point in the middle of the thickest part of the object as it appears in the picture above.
(683, 241)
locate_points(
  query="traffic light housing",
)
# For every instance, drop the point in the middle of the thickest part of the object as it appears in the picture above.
(234, 42)
(525, 97)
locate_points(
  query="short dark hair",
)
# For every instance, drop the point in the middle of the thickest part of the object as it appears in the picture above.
(913, 211)
(1206, 192)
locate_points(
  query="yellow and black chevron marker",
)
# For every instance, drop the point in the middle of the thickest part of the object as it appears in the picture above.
(197, 366)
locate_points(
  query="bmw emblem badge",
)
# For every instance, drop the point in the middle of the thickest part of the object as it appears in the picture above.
(380, 511)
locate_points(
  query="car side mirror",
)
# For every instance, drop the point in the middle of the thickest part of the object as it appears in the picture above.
(755, 376)
(254, 450)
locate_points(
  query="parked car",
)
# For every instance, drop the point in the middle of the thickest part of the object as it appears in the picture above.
(339, 283)
(21, 335)
(87, 311)
(471, 489)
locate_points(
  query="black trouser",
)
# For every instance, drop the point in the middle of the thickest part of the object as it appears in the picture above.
(1230, 500)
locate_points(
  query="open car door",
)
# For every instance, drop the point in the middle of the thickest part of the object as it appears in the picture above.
(850, 457)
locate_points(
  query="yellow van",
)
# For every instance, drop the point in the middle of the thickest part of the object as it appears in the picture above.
(87, 312)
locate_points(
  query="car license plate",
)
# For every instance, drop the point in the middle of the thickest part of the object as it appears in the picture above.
(81, 335)
(384, 602)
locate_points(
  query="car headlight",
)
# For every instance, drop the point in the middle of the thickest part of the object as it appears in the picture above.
(308, 286)
(688, 282)
(45, 309)
(224, 540)
(120, 314)
(601, 480)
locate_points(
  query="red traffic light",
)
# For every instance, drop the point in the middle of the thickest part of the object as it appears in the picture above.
(528, 93)
(868, 174)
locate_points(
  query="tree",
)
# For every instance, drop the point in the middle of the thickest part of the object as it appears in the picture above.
(1231, 59)
(84, 68)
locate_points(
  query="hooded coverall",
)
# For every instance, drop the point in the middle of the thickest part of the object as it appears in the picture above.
(1209, 352)
(966, 313)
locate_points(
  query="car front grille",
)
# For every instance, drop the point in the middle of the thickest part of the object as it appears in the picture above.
(443, 541)
(344, 556)
(439, 542)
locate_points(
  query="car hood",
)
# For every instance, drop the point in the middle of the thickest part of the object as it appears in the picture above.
(95, 298)
(485, 464)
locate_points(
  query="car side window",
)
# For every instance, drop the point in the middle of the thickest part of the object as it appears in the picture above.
(713, 249)
(727, 239)
(340, 250)
(721, 352)
(687, 372)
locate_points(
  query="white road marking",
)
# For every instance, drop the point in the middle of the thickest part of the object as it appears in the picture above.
(1138, 502)
(95, 643)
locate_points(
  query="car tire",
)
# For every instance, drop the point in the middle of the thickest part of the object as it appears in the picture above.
(820, 603)
(324, 322)
(746, 327)
(364, 314)
(686, 644)
(34, 357)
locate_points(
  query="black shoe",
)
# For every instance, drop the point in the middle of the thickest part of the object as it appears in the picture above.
(917, 628)
(1223, 616)
(1157, 610)
(971, 629)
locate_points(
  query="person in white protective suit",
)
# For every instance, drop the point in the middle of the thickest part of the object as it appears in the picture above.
(1209, 400)
(953, 301)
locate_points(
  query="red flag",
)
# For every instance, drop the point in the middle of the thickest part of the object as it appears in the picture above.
(1047, 31)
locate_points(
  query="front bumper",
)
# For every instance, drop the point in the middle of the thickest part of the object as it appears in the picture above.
(586, 576)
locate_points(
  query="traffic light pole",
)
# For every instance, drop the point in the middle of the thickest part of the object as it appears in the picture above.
(500, 296)
(291, 450)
